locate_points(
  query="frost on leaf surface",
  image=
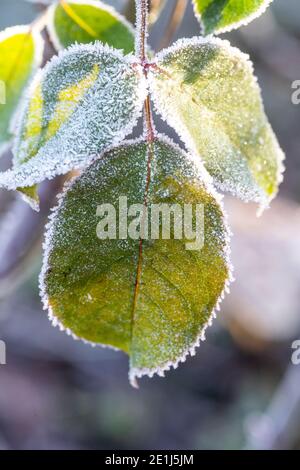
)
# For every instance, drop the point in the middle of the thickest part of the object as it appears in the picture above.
(84, 21)
(87, 98)
(219, 16)
(155, 302)
(206, 90)
(20, 56)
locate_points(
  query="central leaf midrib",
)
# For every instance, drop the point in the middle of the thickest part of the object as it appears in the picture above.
(150, 150)
(77, 20)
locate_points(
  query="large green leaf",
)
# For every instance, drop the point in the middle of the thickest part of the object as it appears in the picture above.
(20, 54)
(85, 21)
(206, 90)
(84, 100)
(219, 16)
(152, 299)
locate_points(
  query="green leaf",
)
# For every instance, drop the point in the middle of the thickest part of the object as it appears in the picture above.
(84, 21)
(20, 55)
(86, 99)
(30, 195)
(153, 298)
(220, 16)
(206, 90)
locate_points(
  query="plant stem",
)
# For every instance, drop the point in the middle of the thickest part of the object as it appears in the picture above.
(154, 11)
(141, 51)
(142, 29)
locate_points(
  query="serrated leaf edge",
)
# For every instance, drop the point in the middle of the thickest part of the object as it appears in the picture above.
(33, 203)
(129, 59)
(135, 373)
(263, 200)
(237, 24)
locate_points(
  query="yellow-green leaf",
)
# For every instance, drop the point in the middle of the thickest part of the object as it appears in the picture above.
(87, 98)
(206, 90)
(30, 195)
(21, 50)
(85, 21)
(219, 16)
(152, 298)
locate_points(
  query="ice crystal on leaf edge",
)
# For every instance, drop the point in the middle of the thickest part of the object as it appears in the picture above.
(136, 373)
(237, 24)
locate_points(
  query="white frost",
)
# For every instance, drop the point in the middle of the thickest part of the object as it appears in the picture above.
(227, 161)
(200, 173)
(106, 113)
(136, 373)
(244, 22)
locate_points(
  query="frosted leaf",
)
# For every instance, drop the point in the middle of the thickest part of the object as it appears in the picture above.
(206, 90)
(153, 299)
(21, 50)
(220, 16)
(31, 196)
(84, 21)
(87, 98)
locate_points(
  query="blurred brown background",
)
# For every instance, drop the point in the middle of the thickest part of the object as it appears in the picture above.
(241, 390)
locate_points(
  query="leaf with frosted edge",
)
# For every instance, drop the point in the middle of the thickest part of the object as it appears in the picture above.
(87, 98)
(21, 50)
(91, 287)
(31, 196)
(205, 89)
(84, 21)
(220, 16)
